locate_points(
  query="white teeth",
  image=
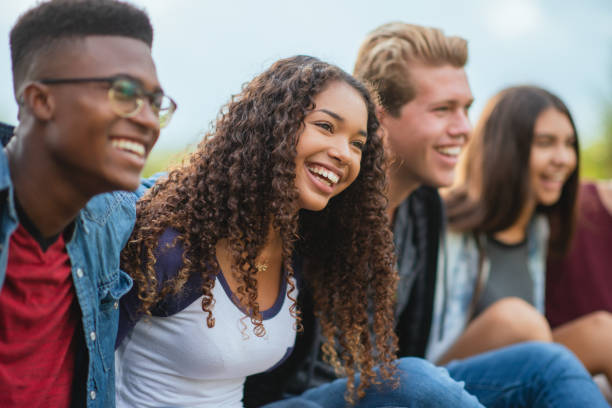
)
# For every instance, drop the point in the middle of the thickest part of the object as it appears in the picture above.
(556, 177)
(450, 151)
(330, 176)
(130, 146)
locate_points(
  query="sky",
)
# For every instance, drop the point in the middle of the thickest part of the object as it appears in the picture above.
(205, 50)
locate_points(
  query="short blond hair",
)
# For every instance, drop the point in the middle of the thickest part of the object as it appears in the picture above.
(385, 56)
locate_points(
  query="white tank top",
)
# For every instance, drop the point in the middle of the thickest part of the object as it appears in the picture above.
(177, 361)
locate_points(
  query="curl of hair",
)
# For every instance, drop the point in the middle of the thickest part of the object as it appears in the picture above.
(241, 180)
(493, 181)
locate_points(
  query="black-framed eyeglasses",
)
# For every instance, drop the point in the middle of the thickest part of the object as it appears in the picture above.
(127, 96)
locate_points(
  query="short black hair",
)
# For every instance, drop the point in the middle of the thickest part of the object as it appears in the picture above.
(40, 27)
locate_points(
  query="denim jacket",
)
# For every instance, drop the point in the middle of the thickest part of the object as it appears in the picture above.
(99, 235)
(458, 269)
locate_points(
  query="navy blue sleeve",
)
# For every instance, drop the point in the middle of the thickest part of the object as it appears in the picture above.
(169, 258)
(169, 261)
(6, 132)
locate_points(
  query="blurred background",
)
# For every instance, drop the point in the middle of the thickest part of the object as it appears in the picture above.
(205, 50)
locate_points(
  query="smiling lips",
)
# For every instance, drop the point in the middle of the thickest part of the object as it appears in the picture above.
(451, 151)
(554, 181)
(130, 146)
(325, 175)
(559, 177)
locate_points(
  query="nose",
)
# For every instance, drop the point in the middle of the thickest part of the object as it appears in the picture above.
(565, 156)
(461, 125)
(147, 117)
(340, 150)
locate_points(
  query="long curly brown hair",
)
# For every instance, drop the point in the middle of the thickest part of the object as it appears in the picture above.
(240, 180)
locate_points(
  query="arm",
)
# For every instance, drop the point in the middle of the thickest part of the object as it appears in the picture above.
(6, 132)
(168, 263)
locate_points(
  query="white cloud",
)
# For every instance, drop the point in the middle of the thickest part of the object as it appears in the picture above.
(512, 19)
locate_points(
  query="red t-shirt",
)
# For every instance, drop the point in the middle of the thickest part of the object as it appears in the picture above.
(38, 318)
(581, 283)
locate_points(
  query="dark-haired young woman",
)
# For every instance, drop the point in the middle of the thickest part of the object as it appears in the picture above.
(513, 208)
(286, 192)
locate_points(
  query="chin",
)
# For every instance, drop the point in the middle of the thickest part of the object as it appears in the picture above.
(127, 182)
(441, 181)
(130, 185)
(549, 203)
(313, 205)
(435, 176)
(548, 200)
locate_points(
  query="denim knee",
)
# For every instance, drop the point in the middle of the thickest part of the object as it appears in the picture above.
(418, 367)
(543, 350)
(557, 359)
(548, 353)
(425, 384)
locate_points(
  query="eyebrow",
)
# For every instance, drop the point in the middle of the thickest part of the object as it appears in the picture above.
(456, 102)
(157, 88)
(332, 114)
(340, 119)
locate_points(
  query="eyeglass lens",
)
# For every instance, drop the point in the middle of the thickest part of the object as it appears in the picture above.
(128, 96)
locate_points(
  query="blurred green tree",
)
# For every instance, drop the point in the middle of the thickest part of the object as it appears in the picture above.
(597, 158)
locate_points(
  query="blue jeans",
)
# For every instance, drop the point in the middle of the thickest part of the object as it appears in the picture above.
(527, 374)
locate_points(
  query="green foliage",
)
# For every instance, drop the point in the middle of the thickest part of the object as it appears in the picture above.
(162, 160)
(597, 158)
(596, 161)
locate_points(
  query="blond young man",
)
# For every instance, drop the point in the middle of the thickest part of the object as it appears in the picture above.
(424, 97)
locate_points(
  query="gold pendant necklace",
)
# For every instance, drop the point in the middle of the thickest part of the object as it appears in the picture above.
(261, 267)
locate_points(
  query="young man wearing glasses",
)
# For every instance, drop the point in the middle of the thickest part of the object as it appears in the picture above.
(90, 111)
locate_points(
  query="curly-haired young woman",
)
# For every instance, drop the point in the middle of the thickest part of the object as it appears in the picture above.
(288, 188)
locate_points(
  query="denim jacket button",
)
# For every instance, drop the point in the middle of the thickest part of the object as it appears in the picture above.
(92, 395)
(92, 336)
(116, 305)
(79, 272)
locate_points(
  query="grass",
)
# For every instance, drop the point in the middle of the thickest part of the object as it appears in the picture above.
(162, 160)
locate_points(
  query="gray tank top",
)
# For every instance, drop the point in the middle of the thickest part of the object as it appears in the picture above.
(508, 274)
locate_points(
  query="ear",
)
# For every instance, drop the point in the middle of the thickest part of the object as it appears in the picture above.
(37, 98)
(381, 115)
(380, 112)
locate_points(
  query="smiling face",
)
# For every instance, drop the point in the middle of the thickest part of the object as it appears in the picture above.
(553, 156)
(329, 148)
(430, 130)
(85, 138)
